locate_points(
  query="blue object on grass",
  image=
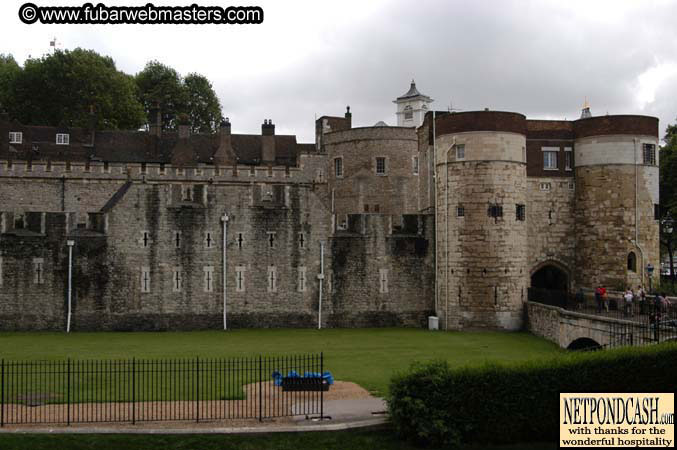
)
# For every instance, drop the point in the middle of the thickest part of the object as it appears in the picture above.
(277, 376)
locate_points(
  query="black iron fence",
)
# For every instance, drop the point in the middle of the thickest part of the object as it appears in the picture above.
(140, 390)
(635, 323)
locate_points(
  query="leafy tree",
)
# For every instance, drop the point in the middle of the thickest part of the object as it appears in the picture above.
(9, 71)
(203, 106)
(668, 194)
(194, 96)
(60, 88)
(161, 84)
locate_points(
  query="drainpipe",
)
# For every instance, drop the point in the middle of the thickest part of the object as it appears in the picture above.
(434, 175)
(320, 277)
(446, 237)
(641, 251)
(224, 219)
(70, 245)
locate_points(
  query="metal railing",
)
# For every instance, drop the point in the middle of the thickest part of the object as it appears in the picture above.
(141, 390)
(636, 323)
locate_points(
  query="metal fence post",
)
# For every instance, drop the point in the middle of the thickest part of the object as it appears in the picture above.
(68, 393)
(2, 396)
(322, 385)
(133, 391)
(197, 390)
(260, 383)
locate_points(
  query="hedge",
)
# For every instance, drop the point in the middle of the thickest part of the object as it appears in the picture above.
(436, 405)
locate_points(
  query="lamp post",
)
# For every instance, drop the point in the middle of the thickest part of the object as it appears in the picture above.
(224, 220)
(667, 227)
(70, 245)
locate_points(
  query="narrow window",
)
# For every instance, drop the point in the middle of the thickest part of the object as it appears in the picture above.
(649, 154)
(380, 166)
(186, 193)
(272, 279)
(208, 279)
(240, 240)
(366, 207)
(460, 211)
(177, 239)
(145, 280)
(143, 168)
(338, 167)
(545, 186)
(414, 163)
(495, 211)
(209, 241)
(520, 212)
(38, 270)
(15, 137)
(550, 158)
(62, 139)
(177, 280)
(383, 281)
(29, 166)
(239, 278)
(106, 167)
(632, 262)
(572, 185)
(568, 158)
(302, 240)
(460, 151)
(302, 279)
(163, 170)
(145, 239)
(271, 239)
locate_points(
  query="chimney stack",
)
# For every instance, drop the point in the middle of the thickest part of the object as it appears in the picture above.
(155, 120)
(225, 155)
(184, 125)
(268, 142)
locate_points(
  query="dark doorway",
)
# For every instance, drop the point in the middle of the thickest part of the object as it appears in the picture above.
(585, 344)
(550, 277)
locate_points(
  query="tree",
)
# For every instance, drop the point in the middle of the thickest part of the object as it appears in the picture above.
(203, 106)
(668, 195)
(193, 96)
(9, 71)
(161, 84)
(60, 89)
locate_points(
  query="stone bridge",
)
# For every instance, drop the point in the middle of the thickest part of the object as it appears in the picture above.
(576, 330)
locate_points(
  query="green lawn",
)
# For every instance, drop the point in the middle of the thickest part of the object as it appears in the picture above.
(380, 439)
(368, 357)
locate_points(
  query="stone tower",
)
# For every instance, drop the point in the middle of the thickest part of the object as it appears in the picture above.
(616, 169)
(481, 227)
(411, 107)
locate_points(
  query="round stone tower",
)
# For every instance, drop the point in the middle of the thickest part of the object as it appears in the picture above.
(616, 164)
(481, 190)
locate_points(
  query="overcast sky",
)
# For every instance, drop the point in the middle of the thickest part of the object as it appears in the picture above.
(313, 58)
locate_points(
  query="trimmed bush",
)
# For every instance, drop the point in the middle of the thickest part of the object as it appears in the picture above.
(435, 405)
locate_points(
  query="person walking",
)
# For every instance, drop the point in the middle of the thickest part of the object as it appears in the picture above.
(605, 298)
(641, 293)
(628, 296)
(598, 298)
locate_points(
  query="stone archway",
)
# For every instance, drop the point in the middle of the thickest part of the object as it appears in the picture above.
(550, 276)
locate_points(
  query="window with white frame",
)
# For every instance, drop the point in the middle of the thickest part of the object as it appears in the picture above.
(209, 240)
(383, 281)
(208, 278)
(550, 158)
(301, 279)
(568, 158)
(177, 280)
(380, 165)
(63, 139)
(272, 279)
(649, 151)
(239, 278)
(414, 163)
(15, 137)
(338, 167)
(460, 151)
(145, 280)
(38, 271)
